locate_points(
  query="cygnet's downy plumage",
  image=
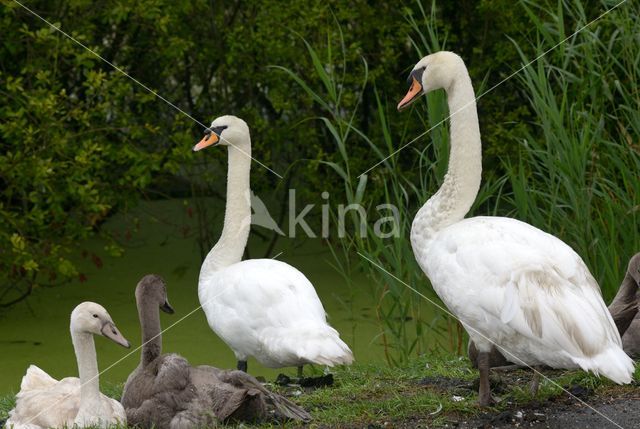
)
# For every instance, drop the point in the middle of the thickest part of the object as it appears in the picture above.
(624, 308)
(44, 402)
(166, 392)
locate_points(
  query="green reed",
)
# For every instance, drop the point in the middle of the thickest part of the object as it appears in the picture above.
(578, 176)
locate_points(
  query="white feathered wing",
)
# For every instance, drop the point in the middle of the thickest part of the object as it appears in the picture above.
(527, 291)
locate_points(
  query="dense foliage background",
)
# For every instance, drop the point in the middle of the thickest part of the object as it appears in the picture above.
(79, 141)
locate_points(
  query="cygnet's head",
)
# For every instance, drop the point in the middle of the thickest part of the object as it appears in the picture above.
(224, 131)
(152, 289)
(434, 71)
(92, 318)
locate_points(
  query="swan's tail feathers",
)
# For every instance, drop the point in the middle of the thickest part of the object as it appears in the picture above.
(35, 379)
(613, 363)
(326, 348)
(308, 343)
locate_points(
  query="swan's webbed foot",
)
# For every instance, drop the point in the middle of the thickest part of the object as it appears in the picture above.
(242, 365)
(320, 381)
(315, 382)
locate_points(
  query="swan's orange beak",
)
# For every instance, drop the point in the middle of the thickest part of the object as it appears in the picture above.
(414, 92)
(209, 139)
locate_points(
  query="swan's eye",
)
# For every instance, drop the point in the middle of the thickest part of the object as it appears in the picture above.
(95, 315)
(216, 130)
(416, 74)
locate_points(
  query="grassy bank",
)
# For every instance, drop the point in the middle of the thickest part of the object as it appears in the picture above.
(428, 392)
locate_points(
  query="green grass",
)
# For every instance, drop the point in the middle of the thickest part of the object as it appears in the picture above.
(366, 394)
(369, 393)
(6, 404)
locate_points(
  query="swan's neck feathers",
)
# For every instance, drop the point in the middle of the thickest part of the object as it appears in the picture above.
(151, 333)
(461, 183)
(85, 349)
(237, 217)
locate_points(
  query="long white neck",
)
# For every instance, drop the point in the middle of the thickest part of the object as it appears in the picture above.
(237, 216)
(88, 370)
(462, 181)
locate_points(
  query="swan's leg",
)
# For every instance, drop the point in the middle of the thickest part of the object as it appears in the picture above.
(300, 371)
(484, 394)
(242, 365)
(535, 382)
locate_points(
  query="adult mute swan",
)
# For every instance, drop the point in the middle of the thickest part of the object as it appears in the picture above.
(44, 402)
(165, 392)
(508, 283)
(260, 307)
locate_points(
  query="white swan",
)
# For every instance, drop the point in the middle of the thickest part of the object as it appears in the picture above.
(508, 282)
(44, 402)
(260, 307)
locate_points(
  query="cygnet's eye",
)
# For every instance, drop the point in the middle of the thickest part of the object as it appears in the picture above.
(95, 315)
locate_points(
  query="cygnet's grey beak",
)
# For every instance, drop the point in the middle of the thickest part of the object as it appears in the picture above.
(110, 331)
(167, 308)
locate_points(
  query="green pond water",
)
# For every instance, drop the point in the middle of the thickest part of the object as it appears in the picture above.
(36, 331)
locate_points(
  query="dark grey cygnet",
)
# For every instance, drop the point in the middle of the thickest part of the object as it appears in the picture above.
(165, 392)
(624, 308)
